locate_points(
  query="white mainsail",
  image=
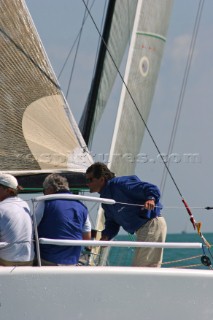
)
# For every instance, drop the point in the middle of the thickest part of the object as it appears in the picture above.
(38, 131)
(143, 64)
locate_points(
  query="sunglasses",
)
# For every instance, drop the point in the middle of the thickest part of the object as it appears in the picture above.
(89, 180)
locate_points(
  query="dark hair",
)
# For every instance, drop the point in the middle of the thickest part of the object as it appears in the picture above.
(99, 169)
(13, 192)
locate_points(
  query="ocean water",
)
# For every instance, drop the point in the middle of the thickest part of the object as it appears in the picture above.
(179, 258)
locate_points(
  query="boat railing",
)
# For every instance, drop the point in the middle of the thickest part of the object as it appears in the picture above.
(91, 257)
(62, 196)
(96, 243)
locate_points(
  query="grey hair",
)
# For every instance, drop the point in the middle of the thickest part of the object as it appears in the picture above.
(56, 181)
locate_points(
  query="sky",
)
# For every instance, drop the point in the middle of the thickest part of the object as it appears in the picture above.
(58, 23)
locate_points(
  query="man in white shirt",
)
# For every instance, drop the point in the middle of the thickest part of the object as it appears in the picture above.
(16, 230)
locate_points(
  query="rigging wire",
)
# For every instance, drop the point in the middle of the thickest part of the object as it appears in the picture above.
(141, 205)
(77, 40)
(183, 89)
(76, 52)
(74, 42)
(192, 219)
(27, 55)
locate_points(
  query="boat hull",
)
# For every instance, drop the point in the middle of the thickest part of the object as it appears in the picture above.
(105, 293)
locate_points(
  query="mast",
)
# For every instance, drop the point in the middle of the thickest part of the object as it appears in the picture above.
(116, 33)
(87, 118)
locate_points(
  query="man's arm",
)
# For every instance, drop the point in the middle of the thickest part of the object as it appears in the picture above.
(86, 235)
(87, 230)
(104, 238)
(39, 211)
(110, 231)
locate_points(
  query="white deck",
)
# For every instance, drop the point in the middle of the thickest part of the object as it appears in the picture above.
(115, 293)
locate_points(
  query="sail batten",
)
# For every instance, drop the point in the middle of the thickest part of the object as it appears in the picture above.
(149, 34)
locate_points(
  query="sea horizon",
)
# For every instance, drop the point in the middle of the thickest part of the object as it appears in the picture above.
(172, 257)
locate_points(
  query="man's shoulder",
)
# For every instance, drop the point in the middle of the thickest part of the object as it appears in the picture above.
(124, 179)
(81, 204)
(14, 200)
(58, 201)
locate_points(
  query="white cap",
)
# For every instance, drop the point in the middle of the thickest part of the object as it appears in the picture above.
(8, 180)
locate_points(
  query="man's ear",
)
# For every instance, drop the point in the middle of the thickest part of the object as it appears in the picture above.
(102, 180)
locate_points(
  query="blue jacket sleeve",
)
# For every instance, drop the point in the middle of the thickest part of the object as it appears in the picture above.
(140, 190)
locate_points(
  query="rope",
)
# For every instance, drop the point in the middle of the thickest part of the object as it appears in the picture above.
(180, 260)
(190, 266)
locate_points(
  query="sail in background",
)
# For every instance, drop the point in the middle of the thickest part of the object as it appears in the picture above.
(145, 54)
(38, 131)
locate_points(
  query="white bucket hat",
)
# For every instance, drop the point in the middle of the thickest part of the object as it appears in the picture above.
(8, 180)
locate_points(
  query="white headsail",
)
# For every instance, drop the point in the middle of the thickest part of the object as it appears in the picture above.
(38, 131)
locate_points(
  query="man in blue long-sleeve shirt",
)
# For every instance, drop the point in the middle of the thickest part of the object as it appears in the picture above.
(144, 218)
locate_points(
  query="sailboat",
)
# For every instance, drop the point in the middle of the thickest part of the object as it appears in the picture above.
(38, 132)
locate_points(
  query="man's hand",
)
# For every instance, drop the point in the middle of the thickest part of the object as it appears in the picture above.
(104, 238)
(149, 205)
